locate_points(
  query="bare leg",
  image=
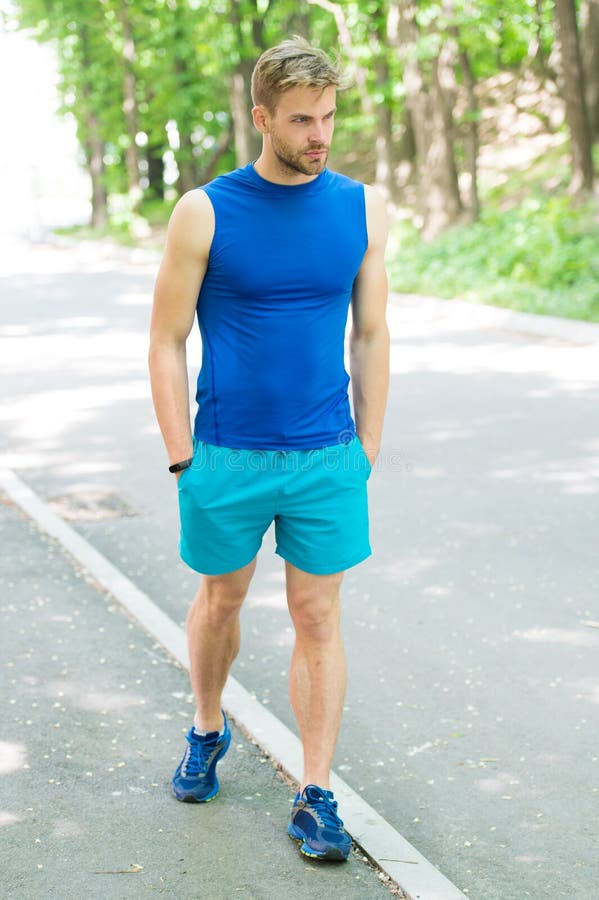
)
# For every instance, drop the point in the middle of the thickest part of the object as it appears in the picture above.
(317, 675)
(213, 637)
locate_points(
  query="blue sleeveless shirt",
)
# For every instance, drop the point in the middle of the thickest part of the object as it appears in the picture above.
(272, 311)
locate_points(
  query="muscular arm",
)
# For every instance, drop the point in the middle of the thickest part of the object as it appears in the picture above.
(179, 279)
(369, 339)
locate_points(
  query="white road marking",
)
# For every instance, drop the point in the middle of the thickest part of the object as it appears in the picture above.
(391, 852)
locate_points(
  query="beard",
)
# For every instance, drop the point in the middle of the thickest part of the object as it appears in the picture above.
(295, 161)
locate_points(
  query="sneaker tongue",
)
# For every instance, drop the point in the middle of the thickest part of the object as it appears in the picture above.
(313, 792)
(206, 736)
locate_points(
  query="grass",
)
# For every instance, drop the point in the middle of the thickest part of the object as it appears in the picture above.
(120, 233)
(534, 249)
(145, 228)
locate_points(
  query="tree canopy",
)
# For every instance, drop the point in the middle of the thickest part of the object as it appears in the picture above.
(160, 90)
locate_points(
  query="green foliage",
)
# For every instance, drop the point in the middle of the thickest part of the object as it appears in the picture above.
(119, 232)
(541, 256)
(185, 51)
(530, 250)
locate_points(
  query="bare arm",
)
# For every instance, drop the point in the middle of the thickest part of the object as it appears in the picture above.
(369, 339)
(179, 279)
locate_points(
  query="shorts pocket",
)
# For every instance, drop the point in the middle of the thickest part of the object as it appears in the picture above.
(365, 461)
(182, 477)
(187, 472)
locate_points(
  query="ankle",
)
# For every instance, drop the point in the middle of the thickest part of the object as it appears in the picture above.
(209, 723)
(322, 783)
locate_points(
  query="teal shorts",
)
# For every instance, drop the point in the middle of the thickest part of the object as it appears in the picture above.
(316, 498)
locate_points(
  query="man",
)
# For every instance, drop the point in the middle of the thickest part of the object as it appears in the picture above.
(270, 256)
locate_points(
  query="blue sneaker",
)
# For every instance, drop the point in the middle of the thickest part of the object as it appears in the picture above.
(314, 822)
(195, 779)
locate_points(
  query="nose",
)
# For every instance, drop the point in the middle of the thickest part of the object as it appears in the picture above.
(317, 134)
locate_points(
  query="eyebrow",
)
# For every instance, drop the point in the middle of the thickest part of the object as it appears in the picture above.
(302, 115)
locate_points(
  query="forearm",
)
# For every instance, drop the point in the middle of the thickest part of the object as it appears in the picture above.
(170, 393)
(369, 369)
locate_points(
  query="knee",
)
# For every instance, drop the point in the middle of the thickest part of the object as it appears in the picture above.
(315, 617)
(218, 601)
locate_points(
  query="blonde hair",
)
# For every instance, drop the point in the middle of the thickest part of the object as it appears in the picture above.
(293, 63)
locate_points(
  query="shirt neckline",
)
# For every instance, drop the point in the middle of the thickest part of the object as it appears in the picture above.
(272, 187)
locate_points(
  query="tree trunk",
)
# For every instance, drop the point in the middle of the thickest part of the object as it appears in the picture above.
(94, 151)
(155, 189)
(574, 96)
(406, 150)
(208, 170)
(186, 163)
(130, 108)
(385, 167)
(184, 155)
(589, 46)
(536, 53)
(429, 103)
(441, 155)
(385, 175)
(92, 140)
(472, 142)
(248, 142)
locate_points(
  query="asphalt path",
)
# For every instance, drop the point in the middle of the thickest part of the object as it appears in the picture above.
(472, 632)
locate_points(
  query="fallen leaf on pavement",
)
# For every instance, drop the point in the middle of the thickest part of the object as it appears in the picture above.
(132, 870)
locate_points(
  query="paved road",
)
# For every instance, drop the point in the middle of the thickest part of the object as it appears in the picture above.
(93, 720)
(471, 715)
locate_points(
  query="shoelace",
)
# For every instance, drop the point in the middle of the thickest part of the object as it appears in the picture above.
(198, 754)
(326, 809)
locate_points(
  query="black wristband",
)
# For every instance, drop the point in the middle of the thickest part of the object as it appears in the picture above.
(178, 467)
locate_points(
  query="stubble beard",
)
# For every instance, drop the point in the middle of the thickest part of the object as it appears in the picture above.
(295, 161)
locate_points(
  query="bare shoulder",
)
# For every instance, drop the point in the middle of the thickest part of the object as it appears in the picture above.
(191, 225)
(376, 216)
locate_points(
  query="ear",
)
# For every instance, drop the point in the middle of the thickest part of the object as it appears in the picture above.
(261, 119)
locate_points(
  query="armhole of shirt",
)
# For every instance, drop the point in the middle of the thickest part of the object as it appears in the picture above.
(364, 216)
(204, 188)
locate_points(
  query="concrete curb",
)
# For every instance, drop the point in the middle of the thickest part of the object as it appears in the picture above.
(478, 315)
(412, 872)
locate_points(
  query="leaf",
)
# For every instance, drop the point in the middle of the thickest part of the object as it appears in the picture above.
(132, 870)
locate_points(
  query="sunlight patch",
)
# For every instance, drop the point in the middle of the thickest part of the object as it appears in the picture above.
(12, 757)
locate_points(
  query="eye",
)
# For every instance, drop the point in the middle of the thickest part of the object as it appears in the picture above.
(300, 119)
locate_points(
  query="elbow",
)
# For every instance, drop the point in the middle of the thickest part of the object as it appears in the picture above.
(154, 350)
(377, 333)
(162, 349)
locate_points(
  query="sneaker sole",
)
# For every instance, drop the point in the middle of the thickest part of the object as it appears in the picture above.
(191, 798)
(333, 854)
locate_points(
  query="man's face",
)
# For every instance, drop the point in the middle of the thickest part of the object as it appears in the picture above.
(301, 129)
